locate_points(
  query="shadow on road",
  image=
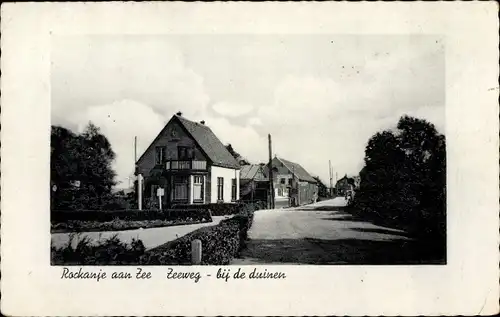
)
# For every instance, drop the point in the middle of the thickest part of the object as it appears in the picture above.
(382, 231)
(342, 251)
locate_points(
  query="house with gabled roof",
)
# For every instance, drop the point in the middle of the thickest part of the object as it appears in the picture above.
(254, 184)
(189, 164)
(292, 182)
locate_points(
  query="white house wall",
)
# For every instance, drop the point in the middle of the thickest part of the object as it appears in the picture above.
(228, 174)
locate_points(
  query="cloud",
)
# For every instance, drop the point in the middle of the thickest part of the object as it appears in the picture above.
(318, 105)
(254, 121)
(99, 70)
(120, 122)
(232, 109)
(244, 139)
(315, 119)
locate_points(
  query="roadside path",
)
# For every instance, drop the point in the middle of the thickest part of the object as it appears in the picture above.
(151, 238)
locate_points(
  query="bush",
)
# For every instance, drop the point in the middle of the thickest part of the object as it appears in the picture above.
(64, 216)
(216, 209)
(220, 243)
(111, 251)
(118, 224)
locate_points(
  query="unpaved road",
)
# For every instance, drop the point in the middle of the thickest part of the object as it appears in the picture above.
(323, 233)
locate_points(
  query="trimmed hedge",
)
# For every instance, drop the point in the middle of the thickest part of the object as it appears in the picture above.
(62, 216)
(219, 209)
(220, 244)
(120, 225)
(216, 209)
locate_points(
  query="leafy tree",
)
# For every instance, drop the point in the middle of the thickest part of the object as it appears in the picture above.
(404, 178)
(64, 165)
(236, 155)
(322, 189)
(97, 174)
(81, 169)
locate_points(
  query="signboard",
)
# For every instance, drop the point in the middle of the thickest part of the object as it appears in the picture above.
(160, 192)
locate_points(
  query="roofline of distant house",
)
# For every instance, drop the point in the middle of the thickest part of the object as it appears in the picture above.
(294, 174)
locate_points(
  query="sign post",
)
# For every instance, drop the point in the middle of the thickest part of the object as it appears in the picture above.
(160, 192)
(139, 191)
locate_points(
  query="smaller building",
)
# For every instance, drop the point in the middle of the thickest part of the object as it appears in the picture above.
(346, 185)
(254, 184)
(292, 183)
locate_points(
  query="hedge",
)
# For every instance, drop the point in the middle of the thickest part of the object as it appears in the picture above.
(61, 216)
(111, 251)
(216, 209)
(220, 243)
(120, 225)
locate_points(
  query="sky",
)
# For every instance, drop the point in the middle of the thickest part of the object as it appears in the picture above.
(320, 97)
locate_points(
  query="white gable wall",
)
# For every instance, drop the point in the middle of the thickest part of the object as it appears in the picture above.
(227, 174)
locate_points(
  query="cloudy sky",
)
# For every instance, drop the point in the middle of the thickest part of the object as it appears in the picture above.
(320, 97)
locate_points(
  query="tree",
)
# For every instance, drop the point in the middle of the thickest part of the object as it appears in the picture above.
(322, 189)
(97, 174)
(236, 155)
(64, 165)
(81, 168)
(404, 177)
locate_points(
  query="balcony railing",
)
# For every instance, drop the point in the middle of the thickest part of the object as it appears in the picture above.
(186, 165)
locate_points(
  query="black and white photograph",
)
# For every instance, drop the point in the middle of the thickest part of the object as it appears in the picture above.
(250, 159)
(248, 149)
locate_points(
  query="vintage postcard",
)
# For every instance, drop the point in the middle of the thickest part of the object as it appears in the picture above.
(250, 159)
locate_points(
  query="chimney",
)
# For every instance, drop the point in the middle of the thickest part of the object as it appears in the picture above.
(179, 114)
(202, 122)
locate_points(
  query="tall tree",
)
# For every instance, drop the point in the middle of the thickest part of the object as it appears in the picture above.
(322, 189)
(64, 166)
(81, 168)
(97, 174)
(404, 177)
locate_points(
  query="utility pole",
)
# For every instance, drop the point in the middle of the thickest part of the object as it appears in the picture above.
(271, 179)
(331, 177)
(135, 150)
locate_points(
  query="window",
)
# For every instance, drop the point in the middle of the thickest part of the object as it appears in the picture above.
(185, 153)
(233, 189)
(220, 188)
(198, 188)
(161, 155)
(290, 181)
(180, 188)
(283, 181)
(280, 192)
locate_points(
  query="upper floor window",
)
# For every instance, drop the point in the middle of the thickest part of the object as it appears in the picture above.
(283, 181)
(185, 153)
(161, 155)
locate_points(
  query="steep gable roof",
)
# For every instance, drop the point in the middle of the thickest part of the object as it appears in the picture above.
(207, 140)
(209, 143)
(250, 172)
(298, 171)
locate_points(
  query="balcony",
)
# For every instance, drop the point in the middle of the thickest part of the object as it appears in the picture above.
(186, 165)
